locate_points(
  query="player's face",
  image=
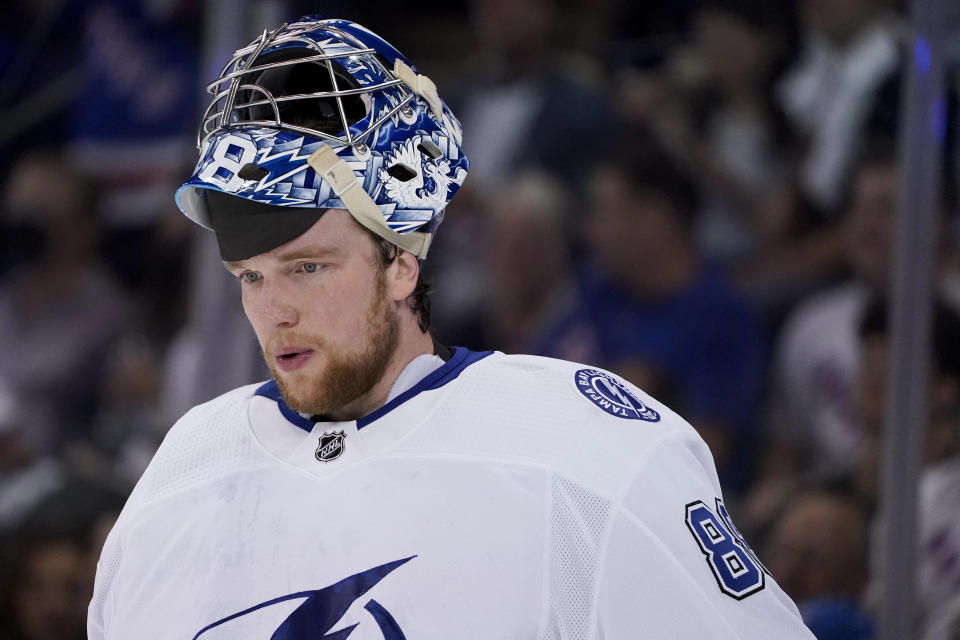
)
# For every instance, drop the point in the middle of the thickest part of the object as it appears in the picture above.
(320, 308)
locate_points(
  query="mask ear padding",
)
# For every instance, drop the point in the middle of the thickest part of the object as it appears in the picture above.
(245, 228)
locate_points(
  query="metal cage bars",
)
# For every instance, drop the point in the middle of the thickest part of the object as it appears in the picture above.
(226, 117)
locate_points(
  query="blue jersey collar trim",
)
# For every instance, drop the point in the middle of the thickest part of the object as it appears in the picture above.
(270, 390)
(461, 359)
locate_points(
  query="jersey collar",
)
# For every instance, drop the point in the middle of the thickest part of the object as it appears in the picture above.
(461, 359)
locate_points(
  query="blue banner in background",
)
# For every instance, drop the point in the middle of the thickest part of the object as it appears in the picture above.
(140, 74)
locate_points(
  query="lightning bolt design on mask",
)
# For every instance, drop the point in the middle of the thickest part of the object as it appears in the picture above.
(294, 159)
(285, 183)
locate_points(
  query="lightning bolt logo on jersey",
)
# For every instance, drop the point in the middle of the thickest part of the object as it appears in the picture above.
(322, 610)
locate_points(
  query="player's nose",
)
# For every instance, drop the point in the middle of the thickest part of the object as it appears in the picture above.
(277, 305)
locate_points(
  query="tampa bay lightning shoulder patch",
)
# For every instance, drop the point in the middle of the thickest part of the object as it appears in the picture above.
(612, 395)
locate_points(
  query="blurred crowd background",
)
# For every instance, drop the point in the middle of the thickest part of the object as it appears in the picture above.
(699, 195)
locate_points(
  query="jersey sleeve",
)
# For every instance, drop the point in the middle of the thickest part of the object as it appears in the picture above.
(675, 566)
(107, 567)
(95, 624)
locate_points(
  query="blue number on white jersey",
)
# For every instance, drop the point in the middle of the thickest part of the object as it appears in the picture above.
(736, 569)
(722, 511)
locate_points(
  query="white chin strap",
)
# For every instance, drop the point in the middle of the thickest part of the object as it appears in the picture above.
(420, 85)
(361, 206)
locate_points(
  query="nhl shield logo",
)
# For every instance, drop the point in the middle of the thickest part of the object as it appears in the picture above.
(331, 446)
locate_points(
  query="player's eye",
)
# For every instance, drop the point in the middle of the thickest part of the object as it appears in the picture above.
(310, 267)
(249, 277)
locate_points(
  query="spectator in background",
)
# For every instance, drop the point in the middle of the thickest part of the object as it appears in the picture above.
(533, 294)
(162, 294)
(129, 424)
(59, 309)
(25, 477)
(818, 554)
(711, 105)
(663, 317)
(850, 47)
(744, 153)
(812, 426)
(527, 104)
(938, 519)
(50, 562)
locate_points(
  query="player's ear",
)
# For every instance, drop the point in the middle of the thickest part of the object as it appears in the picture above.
(402, 275)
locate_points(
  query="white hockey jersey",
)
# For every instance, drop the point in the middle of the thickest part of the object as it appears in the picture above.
(500, 498)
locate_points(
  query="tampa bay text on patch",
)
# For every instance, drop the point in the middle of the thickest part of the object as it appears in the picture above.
(612, 395)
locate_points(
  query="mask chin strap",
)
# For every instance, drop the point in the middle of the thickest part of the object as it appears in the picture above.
(361, 206)
(420, 85)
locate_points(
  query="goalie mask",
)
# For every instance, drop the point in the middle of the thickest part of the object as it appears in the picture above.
(316, 115)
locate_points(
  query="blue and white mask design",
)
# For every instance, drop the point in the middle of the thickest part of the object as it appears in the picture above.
(330, 83)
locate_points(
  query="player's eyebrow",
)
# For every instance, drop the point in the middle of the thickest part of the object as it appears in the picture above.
(309, 252)
(233, 265)
(316, 253)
